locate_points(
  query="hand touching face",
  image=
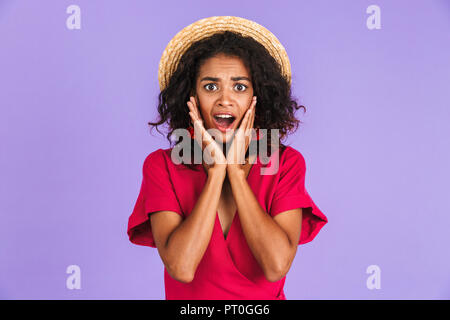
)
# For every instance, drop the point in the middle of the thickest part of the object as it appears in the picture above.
(236, 154)
(214, 155)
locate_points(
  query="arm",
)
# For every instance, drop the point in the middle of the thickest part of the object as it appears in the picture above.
(273, 241)
(182, 243)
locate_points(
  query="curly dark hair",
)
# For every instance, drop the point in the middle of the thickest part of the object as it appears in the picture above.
(275, 108)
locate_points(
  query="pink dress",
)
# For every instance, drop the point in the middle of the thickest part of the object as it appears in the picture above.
(228, 269)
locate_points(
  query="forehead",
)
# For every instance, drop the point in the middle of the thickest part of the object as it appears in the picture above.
(223, 64)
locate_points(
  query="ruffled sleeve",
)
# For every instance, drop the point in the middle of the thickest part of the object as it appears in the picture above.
(290, 193)
(156, 194)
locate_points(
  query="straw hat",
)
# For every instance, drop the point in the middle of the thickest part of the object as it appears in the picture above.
(208, 26)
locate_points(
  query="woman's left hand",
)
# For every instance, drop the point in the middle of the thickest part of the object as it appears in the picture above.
(241, 140)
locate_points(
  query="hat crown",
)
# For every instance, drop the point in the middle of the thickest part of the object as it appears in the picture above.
(206, 27)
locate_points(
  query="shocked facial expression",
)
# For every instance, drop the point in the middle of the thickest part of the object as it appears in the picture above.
(224, 92)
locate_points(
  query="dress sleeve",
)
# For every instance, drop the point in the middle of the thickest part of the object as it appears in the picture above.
(156, 194)
(291, 193)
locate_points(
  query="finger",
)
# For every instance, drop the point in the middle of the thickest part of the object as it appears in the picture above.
(197, 123)
(203, 138)
(193, 119)
(253, 113)
(250, 127)
(191, 106)
(213, 151)
(250, 121)
(250, 117)
(192, 111)
(195, 107)
(207, 138)
(248, 134)
(244, 122)
(198, 128)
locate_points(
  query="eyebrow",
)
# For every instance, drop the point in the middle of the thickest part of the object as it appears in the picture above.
(217, 79)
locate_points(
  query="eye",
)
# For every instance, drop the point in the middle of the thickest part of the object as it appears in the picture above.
(207, 85)
(241, 85)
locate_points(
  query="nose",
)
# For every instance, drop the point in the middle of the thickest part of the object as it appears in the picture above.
(226, 97)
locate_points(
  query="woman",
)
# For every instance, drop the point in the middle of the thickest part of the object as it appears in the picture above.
(222, 228)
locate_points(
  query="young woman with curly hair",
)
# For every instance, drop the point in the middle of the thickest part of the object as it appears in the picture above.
(223, 229)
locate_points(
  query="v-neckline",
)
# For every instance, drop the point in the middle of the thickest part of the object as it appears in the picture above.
(233, 221)
(225, 237)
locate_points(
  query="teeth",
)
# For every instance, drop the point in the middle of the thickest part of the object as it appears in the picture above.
(224, 116)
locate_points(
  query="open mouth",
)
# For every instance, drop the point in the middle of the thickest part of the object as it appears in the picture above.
(224, 122)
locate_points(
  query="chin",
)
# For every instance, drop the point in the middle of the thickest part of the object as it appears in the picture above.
(227, 136)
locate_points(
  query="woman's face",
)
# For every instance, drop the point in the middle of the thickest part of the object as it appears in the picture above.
(223, 89)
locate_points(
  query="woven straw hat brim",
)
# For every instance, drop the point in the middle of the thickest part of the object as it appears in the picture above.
(208, 26)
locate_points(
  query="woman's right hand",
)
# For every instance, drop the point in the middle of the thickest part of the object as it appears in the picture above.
(214, 160)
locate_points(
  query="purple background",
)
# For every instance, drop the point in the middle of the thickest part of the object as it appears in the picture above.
(73, 126)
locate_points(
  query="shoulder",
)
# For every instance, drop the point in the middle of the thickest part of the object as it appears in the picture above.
(291, 157)
(158, 158)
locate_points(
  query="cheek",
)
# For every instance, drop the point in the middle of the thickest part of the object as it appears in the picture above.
(205, 114)
(204, 105)
(243, 111)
